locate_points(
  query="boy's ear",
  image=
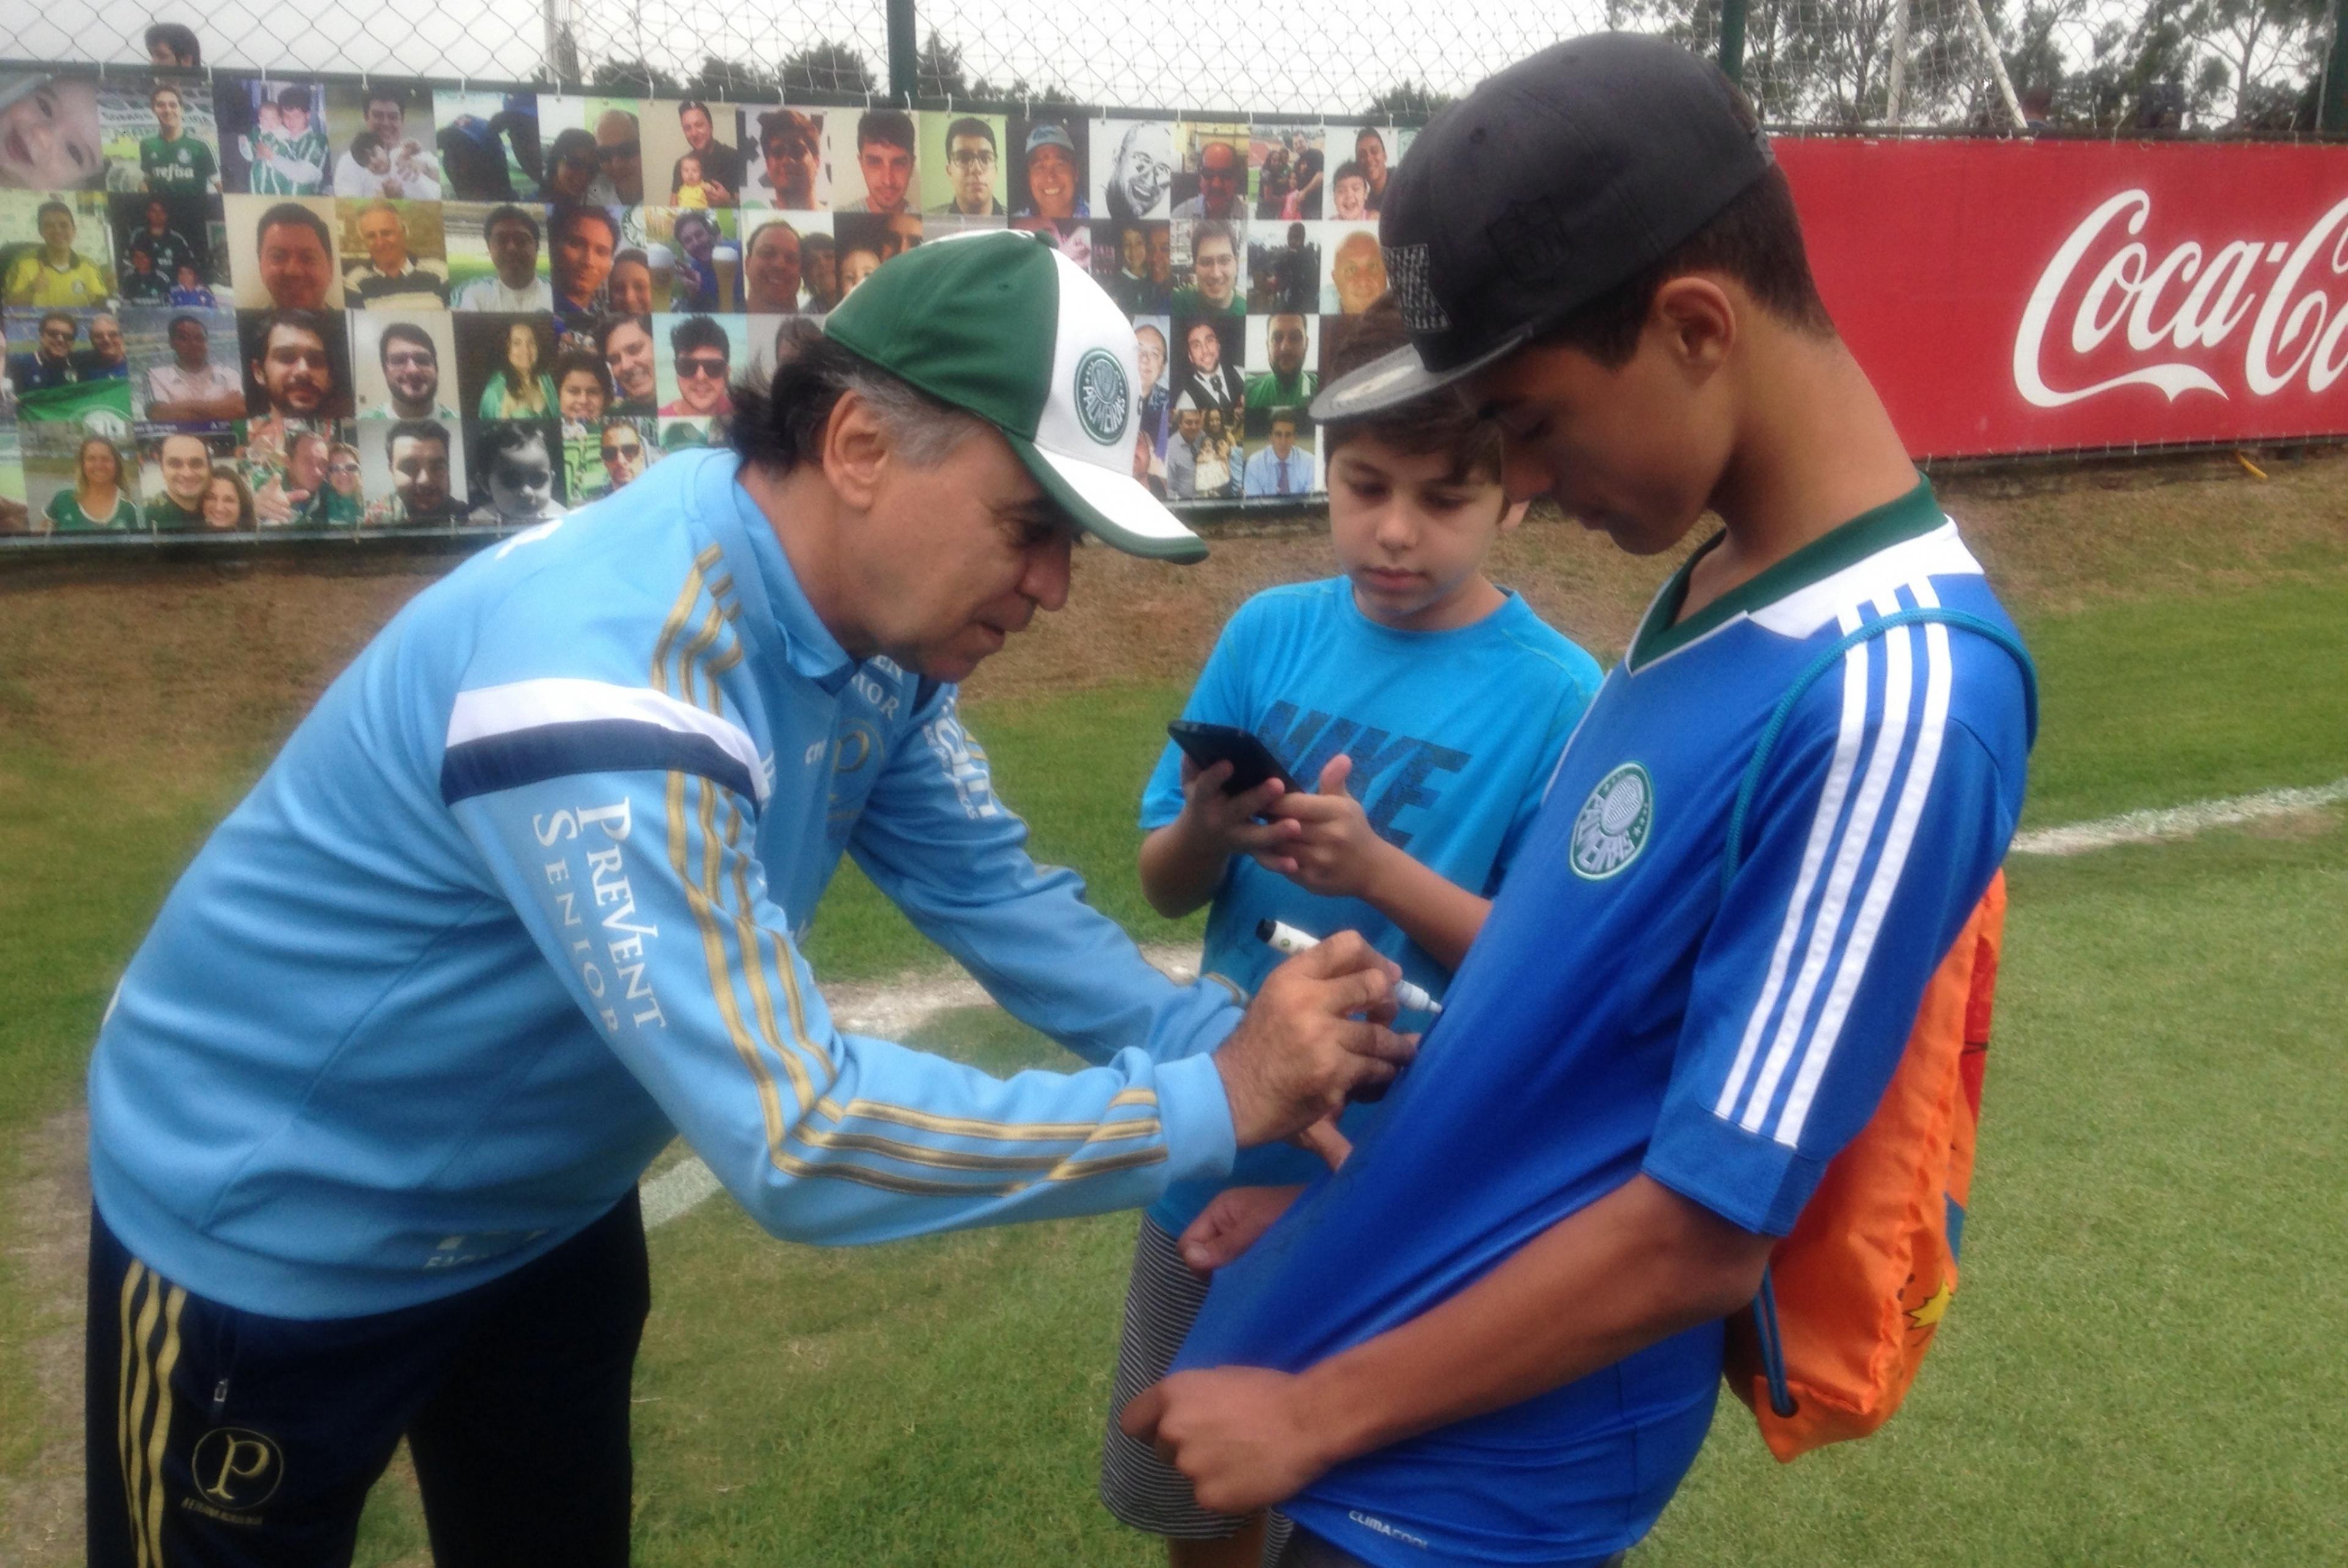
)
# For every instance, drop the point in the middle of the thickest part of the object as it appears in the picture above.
(1514, 514)
(1698, 320)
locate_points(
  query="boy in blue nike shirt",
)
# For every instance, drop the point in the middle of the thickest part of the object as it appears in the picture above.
(1427, 705)
(1495, 1336)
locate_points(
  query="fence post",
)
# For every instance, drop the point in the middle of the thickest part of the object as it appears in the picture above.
(2332, 113)
(903, 51)
(1732, 38)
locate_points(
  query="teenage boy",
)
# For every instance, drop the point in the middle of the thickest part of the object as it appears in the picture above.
(1497, 1337)
(171, 160)
(1425, 706)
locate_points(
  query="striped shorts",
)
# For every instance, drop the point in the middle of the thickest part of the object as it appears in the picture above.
(1161, 1302)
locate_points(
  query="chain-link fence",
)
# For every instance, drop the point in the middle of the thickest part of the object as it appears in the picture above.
(2259, 68)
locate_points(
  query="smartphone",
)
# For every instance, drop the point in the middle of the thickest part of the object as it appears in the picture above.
(1251, 761)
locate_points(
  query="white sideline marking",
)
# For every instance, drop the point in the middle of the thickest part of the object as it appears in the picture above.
(683, 1187)
(2176, 821)
(676, 1190)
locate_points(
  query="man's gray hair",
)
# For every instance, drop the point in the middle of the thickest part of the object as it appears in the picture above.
(782, 425)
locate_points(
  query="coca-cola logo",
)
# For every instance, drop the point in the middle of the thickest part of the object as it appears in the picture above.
(2277, 294)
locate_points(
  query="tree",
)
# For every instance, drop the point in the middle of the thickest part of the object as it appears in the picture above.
(633, 77)
(1410, 98)
(826, 68)
(742, 81)
(937, 70)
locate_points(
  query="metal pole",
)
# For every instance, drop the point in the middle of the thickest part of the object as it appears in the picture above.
(1899, 77)
(2332, 113)
(1732, 38)
(902, 50)
(1996, 64)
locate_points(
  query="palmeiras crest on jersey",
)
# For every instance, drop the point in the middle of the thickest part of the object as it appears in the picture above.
(1612, 825)
(1103, 400)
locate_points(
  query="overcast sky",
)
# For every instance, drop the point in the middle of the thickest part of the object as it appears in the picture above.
(1298, 55)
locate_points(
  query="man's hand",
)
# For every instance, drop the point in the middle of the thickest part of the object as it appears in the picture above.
(1239, 1433)
(273, 503)
(1222, 824)
(719, 194)
(1334, 850)
(1299, 1054)
(1231, 1225)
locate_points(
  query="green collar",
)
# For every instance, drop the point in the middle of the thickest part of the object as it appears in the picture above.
(1662, 631)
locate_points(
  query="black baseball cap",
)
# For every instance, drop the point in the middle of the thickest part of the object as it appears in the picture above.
(1553, 182)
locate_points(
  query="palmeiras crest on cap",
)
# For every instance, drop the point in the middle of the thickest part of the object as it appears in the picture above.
(1104, 397)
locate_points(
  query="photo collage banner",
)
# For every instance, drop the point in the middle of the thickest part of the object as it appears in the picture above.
(255, 303)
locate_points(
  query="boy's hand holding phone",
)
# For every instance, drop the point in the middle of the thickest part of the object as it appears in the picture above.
(1220, 824)
(1332, 850)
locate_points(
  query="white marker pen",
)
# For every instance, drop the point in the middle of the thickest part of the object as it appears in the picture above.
(1283, 938)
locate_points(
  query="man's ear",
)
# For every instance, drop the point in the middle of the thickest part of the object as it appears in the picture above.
(855, 452)
(1697, 320)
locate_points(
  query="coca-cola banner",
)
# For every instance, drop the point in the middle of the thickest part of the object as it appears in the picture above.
(2040, 296)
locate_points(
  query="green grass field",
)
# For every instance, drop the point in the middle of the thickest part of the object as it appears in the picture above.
(2143, 1367)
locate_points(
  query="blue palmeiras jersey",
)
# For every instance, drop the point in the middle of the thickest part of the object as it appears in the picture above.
(521, 899)
(1622, 1011)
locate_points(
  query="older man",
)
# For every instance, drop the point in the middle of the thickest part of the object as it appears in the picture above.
(392, 277)
(1357, 271)
(1222, 185)
(192, 387)
(1144, 172)
(620, 159)
(522, 900)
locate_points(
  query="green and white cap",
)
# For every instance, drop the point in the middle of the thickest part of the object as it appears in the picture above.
(1000, 325)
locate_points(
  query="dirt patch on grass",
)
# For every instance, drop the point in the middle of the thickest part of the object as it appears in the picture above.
(47, 1232)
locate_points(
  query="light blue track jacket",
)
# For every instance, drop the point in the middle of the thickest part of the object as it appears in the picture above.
(521, 899)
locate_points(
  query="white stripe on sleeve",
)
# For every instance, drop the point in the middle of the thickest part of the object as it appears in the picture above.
(1899, 664)
(1913, 793)
(1814, 855)
(562, 700)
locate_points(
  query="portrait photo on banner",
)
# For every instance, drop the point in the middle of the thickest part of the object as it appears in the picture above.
(1133, 169)
(1048, 157)
(273, 136)
(170, 248)
(790, 161)
(1289, 179)
(489, 144)
(383, 141)
(52, 137)
(161, 134)
(875, 162)
(693, 154)
(964, 152)
(57, 250)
